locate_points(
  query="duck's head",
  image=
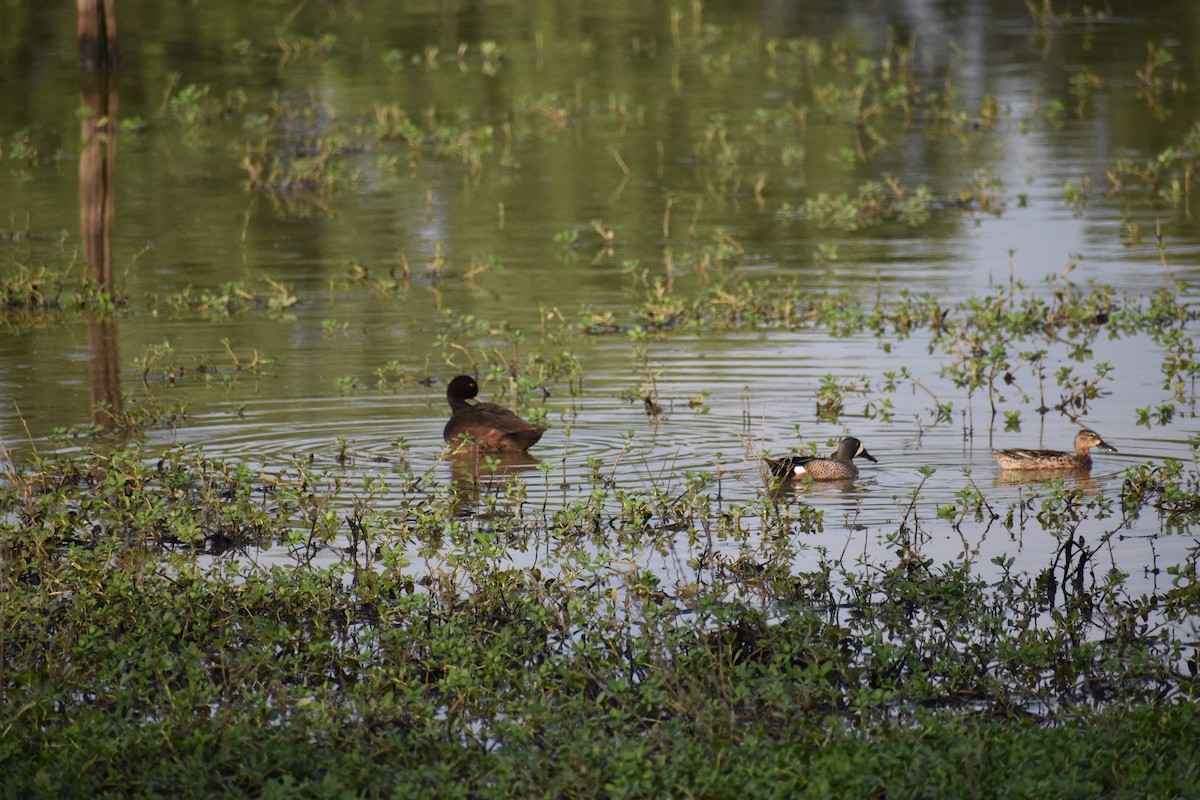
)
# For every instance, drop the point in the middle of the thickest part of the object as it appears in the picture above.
(1087, 440)
(853, 448)
(463, 387)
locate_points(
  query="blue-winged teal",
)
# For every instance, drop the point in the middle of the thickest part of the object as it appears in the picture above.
(839, 468)
(485, 427)
(1085, 440)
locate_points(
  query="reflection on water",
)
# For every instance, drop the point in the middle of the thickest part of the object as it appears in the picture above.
(602, 441)
(475, 475)
(97, 181)
(815, 489)
(1081, 478)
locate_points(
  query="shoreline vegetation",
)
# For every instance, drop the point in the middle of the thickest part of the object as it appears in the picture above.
(151, 646)
(179, 625)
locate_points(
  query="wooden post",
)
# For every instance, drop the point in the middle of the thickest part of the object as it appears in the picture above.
(97, 166)
(97, 34)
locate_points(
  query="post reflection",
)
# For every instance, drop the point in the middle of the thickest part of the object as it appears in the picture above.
(98, 137)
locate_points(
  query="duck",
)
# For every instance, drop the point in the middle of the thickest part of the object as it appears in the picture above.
(485, 427)
(839, 468)
(1085, 441)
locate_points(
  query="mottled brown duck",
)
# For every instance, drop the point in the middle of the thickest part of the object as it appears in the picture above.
(1024, 459)
(839, 468)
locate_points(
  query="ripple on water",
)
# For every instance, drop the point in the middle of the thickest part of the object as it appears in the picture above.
(725, 402)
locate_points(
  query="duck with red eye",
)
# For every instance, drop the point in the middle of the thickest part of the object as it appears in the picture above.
(485, 427)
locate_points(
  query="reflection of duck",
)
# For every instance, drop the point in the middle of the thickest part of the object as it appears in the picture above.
(1080, 478)
(839, 468)
(473, 472)
(813, 490)
(485, 427)
(1021, 459)
(477, 466)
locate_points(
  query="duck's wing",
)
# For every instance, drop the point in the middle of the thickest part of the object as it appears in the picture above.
(493, 428)
(502, 419)
(1028, 459)
(785, 468)
(1026, 454)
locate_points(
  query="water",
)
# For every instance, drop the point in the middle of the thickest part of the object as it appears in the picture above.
(574, 99)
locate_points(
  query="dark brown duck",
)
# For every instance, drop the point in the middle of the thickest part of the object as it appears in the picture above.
(485, 427)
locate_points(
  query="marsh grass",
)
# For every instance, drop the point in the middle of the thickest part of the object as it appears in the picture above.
(142, 624)
(157, 364)
(1018, 347)
(31, 294)
(157, 603)
(1000, 345)
(161, 606)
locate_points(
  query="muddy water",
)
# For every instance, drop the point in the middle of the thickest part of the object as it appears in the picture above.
(621, 118)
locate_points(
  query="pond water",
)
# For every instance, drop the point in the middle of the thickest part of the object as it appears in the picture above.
(568, 158)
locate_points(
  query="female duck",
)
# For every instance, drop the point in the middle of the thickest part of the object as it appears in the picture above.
(1085, 440)
(485, 427)
(839, 468)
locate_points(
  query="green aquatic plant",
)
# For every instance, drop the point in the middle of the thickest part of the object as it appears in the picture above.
(303, 46)
(1169, 489)
(1083, 84)
(993, 343)
(20, 147)
(296, 156)
(1152, 84)
(1164, 177)
(156, 549)
(229, 299)
(39, 290)
(831, 395)
(969, 502)
(193, 106)
(158, 363)
(1076, 195)
(873, 204)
